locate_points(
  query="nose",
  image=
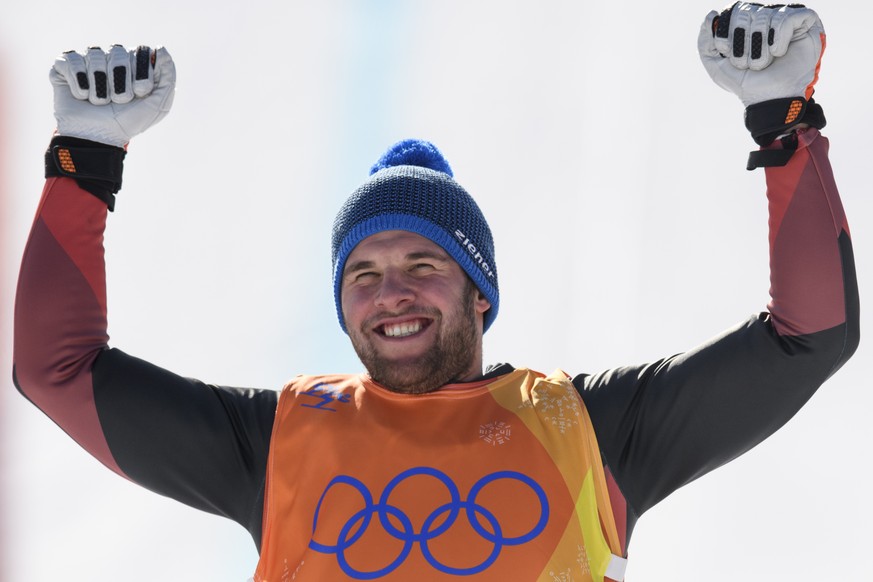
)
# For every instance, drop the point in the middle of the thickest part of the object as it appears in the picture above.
(394, 290)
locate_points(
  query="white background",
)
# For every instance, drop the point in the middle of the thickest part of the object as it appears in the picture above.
(611, 170)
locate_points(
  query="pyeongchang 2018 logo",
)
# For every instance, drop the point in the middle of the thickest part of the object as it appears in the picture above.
(325, 397)
(397, 524)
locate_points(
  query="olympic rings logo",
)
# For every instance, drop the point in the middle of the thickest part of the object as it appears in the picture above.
(358, 523)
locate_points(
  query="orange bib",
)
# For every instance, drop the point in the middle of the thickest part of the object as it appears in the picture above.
(498, 481)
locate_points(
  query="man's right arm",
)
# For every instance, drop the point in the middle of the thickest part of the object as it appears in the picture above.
(203, 445)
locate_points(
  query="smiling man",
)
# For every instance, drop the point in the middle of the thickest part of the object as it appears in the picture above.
(413, 316)
(427, 466)
(412, 306)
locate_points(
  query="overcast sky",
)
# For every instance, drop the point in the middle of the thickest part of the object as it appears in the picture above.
(612, 172)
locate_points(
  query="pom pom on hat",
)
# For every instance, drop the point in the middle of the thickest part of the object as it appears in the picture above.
(412, 188)
(413, 152)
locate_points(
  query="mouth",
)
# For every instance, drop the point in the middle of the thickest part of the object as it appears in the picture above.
(402, 329)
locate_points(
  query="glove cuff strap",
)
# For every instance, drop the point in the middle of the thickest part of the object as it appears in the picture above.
(769, 119)
(774, 157)
(96, 167)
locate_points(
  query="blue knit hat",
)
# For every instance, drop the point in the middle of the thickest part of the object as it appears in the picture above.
(412, 188)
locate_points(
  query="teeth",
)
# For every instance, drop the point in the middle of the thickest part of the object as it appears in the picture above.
(403, 329)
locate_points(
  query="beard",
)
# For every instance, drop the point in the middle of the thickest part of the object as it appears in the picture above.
(450, 357)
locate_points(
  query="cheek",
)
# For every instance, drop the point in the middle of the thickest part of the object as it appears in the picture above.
(348, 305)
(355, 304)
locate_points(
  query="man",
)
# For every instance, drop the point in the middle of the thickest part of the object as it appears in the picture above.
(426, 468)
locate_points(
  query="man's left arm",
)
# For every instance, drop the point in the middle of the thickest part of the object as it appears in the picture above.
(664, 424)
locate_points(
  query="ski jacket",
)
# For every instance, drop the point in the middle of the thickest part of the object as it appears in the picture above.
(658, 425)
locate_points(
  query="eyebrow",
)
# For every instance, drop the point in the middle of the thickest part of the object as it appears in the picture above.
(416, 256)
(438, 256)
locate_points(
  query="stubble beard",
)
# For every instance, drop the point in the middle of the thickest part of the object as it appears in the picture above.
(450, 357)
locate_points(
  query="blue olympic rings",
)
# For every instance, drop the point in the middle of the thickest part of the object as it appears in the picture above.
(404, 531)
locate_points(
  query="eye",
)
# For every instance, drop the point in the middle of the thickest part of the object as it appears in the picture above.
(365, 276)
(422, 268)
(360, 277)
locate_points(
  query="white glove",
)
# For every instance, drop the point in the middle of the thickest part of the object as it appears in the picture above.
(762, 53)
(111, 97)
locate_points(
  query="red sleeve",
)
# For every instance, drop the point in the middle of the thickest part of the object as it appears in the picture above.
(809, 238)
(663, 424)
(203, 445)
(60, 312)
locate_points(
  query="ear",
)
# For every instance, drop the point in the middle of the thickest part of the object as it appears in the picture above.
(480, 303)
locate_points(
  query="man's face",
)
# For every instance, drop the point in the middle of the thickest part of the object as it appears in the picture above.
(413, 315)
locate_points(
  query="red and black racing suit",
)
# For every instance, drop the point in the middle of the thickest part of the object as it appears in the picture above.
(659, 425)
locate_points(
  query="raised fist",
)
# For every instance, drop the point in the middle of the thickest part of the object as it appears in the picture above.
(761, 53)
(109, 97)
